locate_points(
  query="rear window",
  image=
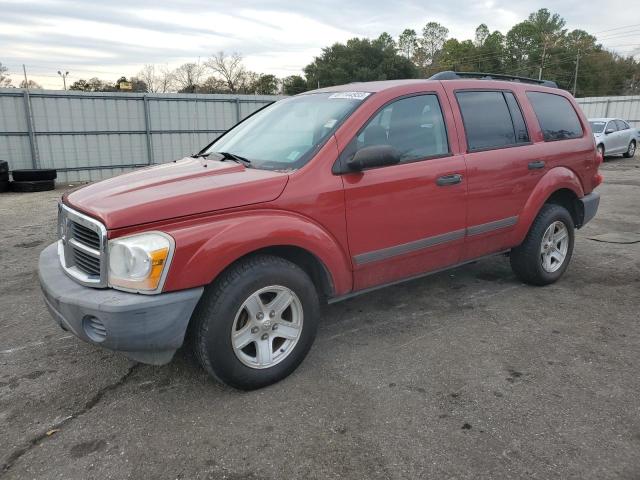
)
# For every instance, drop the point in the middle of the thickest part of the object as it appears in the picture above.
(556, 116)
(491, 119)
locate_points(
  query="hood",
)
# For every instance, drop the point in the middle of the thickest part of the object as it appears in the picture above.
(184, 187)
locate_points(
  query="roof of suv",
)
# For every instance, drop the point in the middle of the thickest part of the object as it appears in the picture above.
(381, 85)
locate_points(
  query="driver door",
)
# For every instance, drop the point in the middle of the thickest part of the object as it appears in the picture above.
(408, 218)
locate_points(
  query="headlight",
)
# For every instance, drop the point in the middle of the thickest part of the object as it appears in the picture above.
(139, 262)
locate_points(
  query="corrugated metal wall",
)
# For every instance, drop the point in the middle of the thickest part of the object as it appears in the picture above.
(626, 108)
(90, 136)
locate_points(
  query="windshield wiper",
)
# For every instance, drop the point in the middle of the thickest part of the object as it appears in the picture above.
(225, 156)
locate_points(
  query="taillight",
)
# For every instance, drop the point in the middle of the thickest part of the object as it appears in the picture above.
(597, 179)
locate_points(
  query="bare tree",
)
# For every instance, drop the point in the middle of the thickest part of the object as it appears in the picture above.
(5, 80)
(230, 69)
(32, 85)
(158, 80)
(187, 77)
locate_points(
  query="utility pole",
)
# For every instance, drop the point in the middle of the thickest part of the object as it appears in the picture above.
(64, 78)
(575, 76)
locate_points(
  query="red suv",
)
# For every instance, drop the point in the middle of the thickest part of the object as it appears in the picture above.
(319, 197)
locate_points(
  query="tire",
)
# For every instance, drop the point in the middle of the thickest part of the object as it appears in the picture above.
(4, 185)
(4, 176)
(631, 150)
(36, 186)
(528, 259)
(600, 149)
(4, 167)
(222, 310)
(34, 174)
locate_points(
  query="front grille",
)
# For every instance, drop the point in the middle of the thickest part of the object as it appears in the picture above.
(85, 235)
(85, 262)
(82, 248)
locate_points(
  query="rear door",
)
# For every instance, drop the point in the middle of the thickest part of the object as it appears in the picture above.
(612, 139)
(409, 218)
(502, 166)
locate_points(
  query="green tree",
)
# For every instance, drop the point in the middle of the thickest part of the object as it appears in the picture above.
(429, 45)
(293, 85)
(266, 85)
(408, 42)
(360, 59)
(482, 32)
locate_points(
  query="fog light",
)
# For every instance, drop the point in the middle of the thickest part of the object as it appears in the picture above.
(94, 328)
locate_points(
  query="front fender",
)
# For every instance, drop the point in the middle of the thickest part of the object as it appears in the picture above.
(205, 249)
(557, 178)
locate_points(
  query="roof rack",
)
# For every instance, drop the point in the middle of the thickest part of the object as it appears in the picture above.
(451, 75)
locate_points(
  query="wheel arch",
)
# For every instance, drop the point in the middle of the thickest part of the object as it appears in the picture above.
(206, 250)
(560, 186)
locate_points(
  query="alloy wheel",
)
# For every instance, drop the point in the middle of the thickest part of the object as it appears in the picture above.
(554, 246)
(267, 327)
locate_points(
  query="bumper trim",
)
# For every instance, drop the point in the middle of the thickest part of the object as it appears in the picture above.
(146, 328)
(590, 205)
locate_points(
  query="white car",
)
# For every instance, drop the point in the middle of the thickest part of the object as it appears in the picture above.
(614, 136)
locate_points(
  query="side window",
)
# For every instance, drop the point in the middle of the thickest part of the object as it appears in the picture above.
(488, 120)
(522, 135)
(556, 116)
(413, 125)
(611, 127)
(622, 125)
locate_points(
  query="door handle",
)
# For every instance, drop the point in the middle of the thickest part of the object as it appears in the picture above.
(537, 165)
(449, 180)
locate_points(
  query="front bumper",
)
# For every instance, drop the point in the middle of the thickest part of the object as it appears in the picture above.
(146, 328)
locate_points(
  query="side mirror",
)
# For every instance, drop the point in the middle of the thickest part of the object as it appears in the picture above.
(608, 131)
(374, 156)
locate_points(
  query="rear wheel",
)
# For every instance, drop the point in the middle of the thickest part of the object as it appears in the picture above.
(600, 149)
(256, 323)
(631, 150)
(546, 251)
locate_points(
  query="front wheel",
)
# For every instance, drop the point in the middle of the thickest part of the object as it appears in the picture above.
(631, 149)
(256, 323)
(546, 251)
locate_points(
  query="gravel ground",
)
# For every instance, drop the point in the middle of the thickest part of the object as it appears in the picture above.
(465, 374)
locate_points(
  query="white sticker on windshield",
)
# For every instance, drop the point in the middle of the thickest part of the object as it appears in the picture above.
(330, 123)
(350, 95)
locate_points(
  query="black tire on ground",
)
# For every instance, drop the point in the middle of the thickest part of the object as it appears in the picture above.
(4, 167)
(4, 176)
(36, 186)
(631, 150)
(4, 185)
(526, 259)
(34, 174)
(600, 148)
(213, 320)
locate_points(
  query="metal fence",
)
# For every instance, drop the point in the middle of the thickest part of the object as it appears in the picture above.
(626, 108)
(90, 136)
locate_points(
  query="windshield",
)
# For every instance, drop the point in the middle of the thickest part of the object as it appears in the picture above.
(286, 134)
(597, 127)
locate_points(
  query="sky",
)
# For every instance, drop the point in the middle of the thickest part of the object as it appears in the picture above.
(117, 37)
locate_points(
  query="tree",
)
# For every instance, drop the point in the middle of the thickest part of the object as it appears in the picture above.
(433, 37)
(266, 85)
(158, 80)
(482, 32)
(92, 85)
(408, 42)
(293, 85)
(5, 80)
(385, 41)
(229, 68)
(31, 85)
(187, 77)
(360, 59)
